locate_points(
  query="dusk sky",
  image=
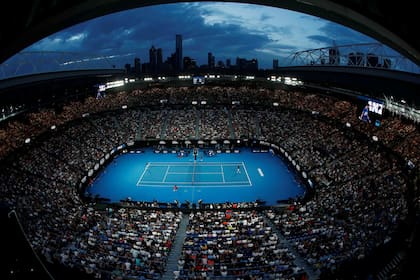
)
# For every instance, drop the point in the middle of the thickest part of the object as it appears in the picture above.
(228, 30)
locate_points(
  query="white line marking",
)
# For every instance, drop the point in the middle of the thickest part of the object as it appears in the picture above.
(223, 173)
(201, 185)
(246, 172)
(144, 171)
(197, 163)
(183, 173)
(169, 183)
(221, 165)
(166, 174)
(260, 171)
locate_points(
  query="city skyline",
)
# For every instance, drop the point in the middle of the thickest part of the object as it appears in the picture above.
(176, 62)
(227, 30)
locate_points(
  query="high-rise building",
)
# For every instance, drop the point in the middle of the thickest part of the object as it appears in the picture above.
(245, 64)
(127, 67)
(159, 59)
(152, 60)
(275, 64)
(333, 56)
(189, 63)
(210, 60)
(137, 66)
(228, 63)
(178, 53)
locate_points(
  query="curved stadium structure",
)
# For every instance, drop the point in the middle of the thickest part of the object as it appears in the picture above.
(358, 218)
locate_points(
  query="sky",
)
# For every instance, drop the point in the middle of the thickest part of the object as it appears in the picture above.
(228, 30)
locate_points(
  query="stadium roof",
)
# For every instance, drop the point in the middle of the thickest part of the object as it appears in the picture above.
(391, 23)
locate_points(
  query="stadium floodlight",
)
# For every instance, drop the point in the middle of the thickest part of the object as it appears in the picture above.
(204, 102)
(348, 124)
(275, 104)
(53, 127)
(124, 106)
(375, 138)
(27, 140)
(194, 102)
(113, 84)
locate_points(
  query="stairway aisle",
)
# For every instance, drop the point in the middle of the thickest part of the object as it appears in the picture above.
(197, 123)
(257, 126)
(172, 262)
(299, 261)
(165, 122)
(230, 125)
(140, 127)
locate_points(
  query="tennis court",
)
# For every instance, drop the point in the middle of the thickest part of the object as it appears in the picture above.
(150, 176)
(189, 174)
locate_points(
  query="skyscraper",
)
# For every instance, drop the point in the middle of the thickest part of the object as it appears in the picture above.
(159, 59)
(178, 53)
(333, 56)
(153, 59)
(210, 60)
(275, 64)
(228, 63)
(137, 66)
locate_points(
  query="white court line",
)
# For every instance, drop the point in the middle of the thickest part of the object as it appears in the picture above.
(192, 163)
(223, 173)
(180, 173)
(246, 172)
(189, 185)
(166, 174)
(164, 183)
(169, 183)
(144, 171)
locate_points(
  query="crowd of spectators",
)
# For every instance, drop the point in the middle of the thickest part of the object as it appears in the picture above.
(233, 244)
(181, 125)
(358, 203)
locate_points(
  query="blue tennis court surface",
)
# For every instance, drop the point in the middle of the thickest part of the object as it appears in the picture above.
(234, 177)
(190, 174)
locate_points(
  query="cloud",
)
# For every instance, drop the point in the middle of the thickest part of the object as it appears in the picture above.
(325, 40)
(228, 30)
(344, 35)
